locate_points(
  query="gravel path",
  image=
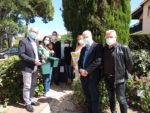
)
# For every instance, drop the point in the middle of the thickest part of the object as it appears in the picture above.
(62, 101)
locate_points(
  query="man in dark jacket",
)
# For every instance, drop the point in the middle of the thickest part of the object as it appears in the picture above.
(89, 68)
(29, 55)
(57, 51)
(117, 63)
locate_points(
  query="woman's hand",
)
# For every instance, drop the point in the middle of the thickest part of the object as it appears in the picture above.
(72, 64)
(42, 56)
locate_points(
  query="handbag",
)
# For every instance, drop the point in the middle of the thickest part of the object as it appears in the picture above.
(54, 61)
(45, 68)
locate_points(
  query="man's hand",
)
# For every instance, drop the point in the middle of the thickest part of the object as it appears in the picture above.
(37, 62)
(83, 72)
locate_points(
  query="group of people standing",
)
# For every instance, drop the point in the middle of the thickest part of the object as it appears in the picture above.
(114, 60)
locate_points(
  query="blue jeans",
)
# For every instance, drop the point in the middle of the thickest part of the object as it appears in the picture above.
(47, 80)
(113, 92)
(69, 71)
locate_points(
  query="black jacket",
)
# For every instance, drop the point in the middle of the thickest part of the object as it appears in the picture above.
(93, 61)
(27, 55)
(123, 62)
(67, 55)
(57, 49)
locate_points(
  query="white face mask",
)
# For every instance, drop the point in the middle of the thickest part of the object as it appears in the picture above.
(110, 41)
(66, 45)
(54, 37)
(87, 41)
(80, 42)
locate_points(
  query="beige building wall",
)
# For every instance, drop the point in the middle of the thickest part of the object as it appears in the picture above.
(146, 18)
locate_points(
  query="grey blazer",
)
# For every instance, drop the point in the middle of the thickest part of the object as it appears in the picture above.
(27, 55)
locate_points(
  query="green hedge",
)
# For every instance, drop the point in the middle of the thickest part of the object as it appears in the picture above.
(139, 41)
(141, 60)
(79, 97)
(11, 81)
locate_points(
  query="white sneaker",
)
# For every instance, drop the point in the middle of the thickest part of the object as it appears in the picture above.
(47, 94)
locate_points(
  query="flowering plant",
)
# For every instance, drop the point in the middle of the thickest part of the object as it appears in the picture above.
(138, 92)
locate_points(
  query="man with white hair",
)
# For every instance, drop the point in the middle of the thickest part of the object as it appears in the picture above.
(117, 63)
(30, 59)
(89, 68)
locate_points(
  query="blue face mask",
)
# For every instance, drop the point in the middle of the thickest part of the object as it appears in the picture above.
(46, 42)
(33, 35)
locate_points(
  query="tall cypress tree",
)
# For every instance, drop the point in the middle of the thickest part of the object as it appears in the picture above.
(98, 16)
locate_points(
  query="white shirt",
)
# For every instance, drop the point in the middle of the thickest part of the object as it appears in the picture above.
(35, 49)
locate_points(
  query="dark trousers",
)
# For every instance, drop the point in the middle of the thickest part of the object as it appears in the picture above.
(114, 91)
(90, 88)
(56, 75)
(69, 71)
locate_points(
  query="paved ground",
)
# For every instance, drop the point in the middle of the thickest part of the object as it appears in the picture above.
(60, 102)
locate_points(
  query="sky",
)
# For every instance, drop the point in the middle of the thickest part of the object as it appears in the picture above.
(58, 25)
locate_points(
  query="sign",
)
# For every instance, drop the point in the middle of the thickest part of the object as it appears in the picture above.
(62, 69)
(140, 93)
(75, 59)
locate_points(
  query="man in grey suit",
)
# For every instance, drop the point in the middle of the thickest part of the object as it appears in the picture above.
(29, 55)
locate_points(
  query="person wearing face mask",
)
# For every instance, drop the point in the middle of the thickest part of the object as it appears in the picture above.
(57, 53)
(44, 50)
(89, 67)
(67, 58)
(80, 44)
(117, 63)
(56, 45)
(29, 55)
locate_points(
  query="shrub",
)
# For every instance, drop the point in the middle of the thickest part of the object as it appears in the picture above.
(139, 41)
(79, 97)
(143, 101)
(141, 60)
(11, 83)
(132, 86)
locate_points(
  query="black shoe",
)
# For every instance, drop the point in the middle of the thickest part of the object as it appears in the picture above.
(35, 103)
(29, 108)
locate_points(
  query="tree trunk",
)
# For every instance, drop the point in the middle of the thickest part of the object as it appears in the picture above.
(27, 23)
(10, 37)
